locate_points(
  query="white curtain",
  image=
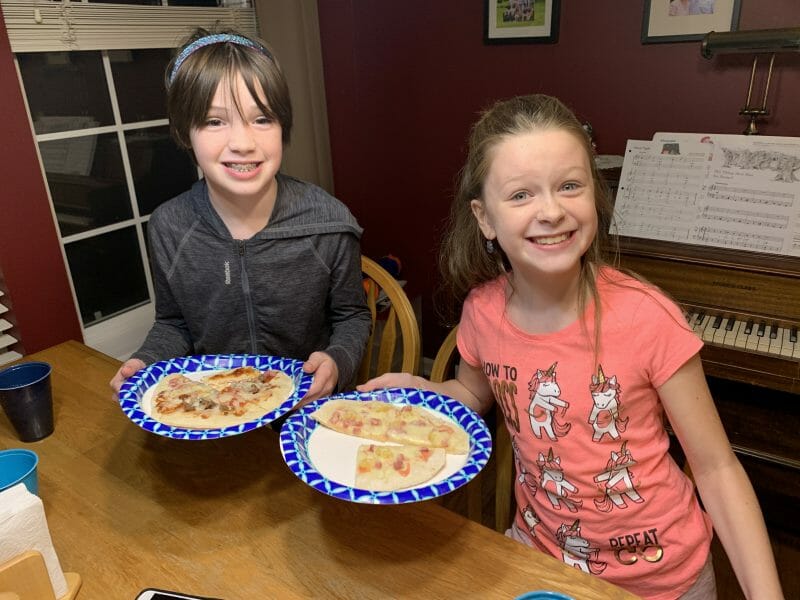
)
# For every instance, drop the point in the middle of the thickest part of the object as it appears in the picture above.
(291, 27)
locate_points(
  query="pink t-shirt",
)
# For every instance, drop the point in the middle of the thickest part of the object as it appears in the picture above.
(596, 486)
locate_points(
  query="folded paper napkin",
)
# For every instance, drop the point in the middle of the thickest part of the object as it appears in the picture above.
(23, 527)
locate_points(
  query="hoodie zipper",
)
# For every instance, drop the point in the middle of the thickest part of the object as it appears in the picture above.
(248, 301)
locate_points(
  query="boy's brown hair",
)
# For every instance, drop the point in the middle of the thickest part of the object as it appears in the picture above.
(191, 88)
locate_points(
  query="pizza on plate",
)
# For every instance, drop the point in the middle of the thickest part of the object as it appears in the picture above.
(221, 399)
(386, 422)
(387, 468)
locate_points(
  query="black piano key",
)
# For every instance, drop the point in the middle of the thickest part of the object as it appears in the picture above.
(793, 335)
(773, 331)
(717, 322)
(700, 316)
(762, 329)
(730, 324)
(748, 327)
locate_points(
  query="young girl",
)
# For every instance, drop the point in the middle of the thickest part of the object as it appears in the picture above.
(585, 362)
(249, 260)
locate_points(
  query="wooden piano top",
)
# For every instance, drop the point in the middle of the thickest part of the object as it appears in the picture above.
(746, 282)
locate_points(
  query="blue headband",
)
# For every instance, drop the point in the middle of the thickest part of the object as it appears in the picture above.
(217, 38)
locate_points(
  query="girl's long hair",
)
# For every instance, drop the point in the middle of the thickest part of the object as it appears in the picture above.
(464, 262)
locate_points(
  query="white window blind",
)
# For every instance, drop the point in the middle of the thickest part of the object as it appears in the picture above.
(7, 341)
(36, 26)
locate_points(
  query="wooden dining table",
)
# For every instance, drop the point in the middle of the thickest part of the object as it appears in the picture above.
(226, 518)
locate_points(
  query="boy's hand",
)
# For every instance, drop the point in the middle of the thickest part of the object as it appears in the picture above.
(326, 376)
(128, 368)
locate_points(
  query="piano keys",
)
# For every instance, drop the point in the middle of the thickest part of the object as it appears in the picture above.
(744, 333)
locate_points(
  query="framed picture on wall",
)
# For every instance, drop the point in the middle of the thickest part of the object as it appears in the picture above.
(521, 21)
(686, 20)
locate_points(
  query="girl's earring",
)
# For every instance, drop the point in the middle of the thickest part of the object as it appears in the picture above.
(490, 246)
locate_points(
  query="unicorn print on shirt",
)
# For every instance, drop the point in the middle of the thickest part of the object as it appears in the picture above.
(554, 484)
(531, 519)
(523, 476)
(545, 400)
(604, 417)
(576, 551)
(617, 481)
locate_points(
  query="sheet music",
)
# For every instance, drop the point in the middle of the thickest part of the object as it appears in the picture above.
(732, 191)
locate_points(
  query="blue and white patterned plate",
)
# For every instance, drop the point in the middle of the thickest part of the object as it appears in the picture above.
(134, 389)
(325, 459)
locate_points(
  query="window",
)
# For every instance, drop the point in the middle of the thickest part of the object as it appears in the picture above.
(92, 74)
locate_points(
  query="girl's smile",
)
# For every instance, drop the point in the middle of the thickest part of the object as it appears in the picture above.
(551, 240)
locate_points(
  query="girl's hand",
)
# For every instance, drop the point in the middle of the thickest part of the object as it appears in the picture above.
(128, 368)
(326, 376)
(404, 380)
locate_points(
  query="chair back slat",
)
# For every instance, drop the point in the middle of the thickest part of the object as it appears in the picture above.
(388, 343)
(384, 342)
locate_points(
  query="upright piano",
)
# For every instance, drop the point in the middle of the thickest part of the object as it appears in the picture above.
(746, 308)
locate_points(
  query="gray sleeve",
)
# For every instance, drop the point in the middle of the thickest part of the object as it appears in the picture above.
(169, 336)
(347, 309)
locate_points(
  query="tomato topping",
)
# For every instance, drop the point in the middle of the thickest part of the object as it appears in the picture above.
(402, 465)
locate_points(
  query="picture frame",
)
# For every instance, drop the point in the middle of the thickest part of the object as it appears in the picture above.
(687, 20)
(521, 21)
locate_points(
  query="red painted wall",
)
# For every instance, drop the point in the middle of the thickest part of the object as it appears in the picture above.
(30, 257)
(404, 81)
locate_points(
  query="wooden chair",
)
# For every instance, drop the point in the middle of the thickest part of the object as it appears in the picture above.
(444, 367)
(382, 344)
(25, 577)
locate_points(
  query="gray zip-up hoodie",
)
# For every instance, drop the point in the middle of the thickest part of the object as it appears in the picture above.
(293, 288)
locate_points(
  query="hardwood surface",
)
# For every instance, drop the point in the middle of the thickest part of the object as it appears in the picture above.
(128, 509)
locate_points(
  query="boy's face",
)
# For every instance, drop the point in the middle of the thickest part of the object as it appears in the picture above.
(239, 155)
(538, 202)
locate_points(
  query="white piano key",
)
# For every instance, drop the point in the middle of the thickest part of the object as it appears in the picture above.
(741, 336)
(708, 331)
(752, 338)
(700, 326)
(730, 336)
(763, 341)
(787, 347)
(776, 342)
(719, 332)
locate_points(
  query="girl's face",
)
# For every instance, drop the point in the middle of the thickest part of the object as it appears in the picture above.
(239, 156)
(538, 202)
